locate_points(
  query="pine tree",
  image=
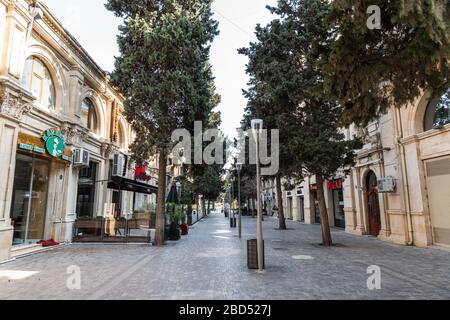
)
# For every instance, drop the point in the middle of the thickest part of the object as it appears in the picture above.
(164, 74)
(370, 69)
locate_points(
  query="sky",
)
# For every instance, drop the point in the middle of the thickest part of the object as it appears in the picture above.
(95, 28)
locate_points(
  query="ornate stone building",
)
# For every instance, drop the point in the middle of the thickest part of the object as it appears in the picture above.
(399, 189)
(62, 132)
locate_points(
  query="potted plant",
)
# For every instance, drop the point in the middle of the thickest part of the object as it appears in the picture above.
(175, 217)
(274, 210)
(183, 226)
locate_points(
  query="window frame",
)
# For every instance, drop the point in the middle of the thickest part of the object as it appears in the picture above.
(429, 119)
(42, 78)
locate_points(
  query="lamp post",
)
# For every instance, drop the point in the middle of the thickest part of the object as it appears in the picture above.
(178, 186)
(231, 203)
(238, 169)
(257, 125)
(233, 180)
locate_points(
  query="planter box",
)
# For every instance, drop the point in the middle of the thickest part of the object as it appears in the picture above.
(88, 224)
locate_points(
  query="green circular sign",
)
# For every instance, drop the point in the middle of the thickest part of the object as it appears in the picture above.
(55, 146)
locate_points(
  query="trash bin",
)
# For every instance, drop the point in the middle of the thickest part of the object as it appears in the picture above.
(252, 254)
(233, 223)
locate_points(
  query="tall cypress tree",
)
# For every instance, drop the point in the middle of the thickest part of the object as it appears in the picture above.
(287, 90)
(273, 90)
(164, 74)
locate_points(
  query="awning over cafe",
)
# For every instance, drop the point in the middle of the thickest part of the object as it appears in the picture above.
(120, 183)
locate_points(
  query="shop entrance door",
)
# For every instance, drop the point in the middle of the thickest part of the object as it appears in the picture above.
(301, 208)
(339, 214)
(29, 200)
(315, 202)
(373, 205)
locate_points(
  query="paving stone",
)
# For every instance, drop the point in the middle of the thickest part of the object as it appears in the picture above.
(210, 263)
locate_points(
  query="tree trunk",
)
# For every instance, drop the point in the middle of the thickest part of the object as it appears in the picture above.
(161, 198)
(281, 219)
(203, 207)
(209, 204)
(324, 222)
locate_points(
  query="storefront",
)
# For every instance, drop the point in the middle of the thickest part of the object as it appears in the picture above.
(87, 181)
(301, 204)
(31, 183)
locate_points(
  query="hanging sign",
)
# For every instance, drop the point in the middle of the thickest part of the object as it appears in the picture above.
(335, 184)
(54, 143)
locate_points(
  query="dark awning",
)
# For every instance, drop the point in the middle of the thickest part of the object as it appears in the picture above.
(120, 183)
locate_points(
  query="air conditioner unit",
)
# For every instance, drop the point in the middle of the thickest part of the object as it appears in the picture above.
(119, 165)
(81, 157)
(387, 185)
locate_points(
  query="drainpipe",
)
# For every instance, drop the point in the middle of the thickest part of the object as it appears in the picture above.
(405, 178)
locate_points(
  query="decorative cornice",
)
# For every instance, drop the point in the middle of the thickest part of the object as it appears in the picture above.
(14, 104)
(108, 149)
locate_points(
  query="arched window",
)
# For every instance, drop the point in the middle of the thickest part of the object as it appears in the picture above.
(88, 107)
(37, 79)
(438, 112)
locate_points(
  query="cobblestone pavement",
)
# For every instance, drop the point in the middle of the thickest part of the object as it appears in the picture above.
(210, 263)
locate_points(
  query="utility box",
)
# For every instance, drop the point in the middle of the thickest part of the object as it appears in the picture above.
(233, 222)
(387, 185)
(252, 254)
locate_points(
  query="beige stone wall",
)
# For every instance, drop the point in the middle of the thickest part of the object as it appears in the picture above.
(75, 76)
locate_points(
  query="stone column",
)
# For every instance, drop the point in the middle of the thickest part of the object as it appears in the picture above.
(360, 203)
(8, 143)
(309, 213)
(13, 105)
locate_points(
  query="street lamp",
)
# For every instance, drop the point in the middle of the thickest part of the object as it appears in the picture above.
(238, 169)
(257, 126)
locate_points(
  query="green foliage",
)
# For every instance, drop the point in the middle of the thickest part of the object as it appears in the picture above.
(163, 69)
(371, 70)
(285, 70)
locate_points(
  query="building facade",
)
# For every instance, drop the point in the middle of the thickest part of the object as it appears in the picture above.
(62, 132)
(399, 189)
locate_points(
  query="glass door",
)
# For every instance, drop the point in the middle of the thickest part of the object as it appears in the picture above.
(339, 213)
(21, 197)
(36, 221)
(301, 208)
(29, 199)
